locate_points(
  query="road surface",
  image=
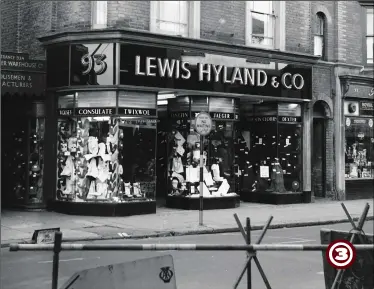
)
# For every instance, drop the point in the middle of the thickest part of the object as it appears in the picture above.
(218, 270)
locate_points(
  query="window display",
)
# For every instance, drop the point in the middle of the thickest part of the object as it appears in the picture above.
(184, 160)
(359, 148)
(268, 149)
(106, 159)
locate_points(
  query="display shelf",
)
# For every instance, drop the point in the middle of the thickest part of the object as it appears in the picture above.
(277, 198)
(104, 209)
(211, 203)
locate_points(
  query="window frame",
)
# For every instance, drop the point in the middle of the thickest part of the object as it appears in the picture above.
(320, 17)
(193, 19)
(279, 26)
(94, 12)
(367, 9)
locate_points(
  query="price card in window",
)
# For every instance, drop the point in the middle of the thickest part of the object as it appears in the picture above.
(264, 171)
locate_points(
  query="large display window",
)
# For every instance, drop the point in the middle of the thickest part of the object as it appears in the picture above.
(268, 146)
(184, 151)
(103, 156)
(359, 148)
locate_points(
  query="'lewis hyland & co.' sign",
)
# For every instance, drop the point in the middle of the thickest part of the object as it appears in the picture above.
(20, 74)
(168, 68)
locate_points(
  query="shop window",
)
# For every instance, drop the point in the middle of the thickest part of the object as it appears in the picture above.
(268, 149)
(184, 159)
(106, 159)
(181, 18)
(359, 148)
(265, 24)
(369, 35)
(99, 14)
(319, 35)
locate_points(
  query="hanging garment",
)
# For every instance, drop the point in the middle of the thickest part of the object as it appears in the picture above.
(92, 169)
(192, 174)
(69, 168)
(177, 165)
(103, 171)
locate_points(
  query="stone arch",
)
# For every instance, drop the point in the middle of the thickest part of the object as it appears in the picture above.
(326, 102)
(322, 9)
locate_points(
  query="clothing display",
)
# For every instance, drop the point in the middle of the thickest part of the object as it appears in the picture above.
(104, 160)
(184, 162)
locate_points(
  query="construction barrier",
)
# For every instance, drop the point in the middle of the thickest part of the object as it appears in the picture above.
(251, 249)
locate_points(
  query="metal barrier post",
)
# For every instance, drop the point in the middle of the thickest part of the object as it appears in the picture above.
(56, 258)
(359, 227)
(249, 267)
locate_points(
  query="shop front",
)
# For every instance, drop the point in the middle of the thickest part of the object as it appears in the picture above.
(23, 131)
(102, 110)
(359, 137)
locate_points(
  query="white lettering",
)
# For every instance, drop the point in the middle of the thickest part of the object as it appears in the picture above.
(203, 71)
(237, 76)
(149, 66)
(225, 80)
(165, 65)
(186, 72)
(301, 84)
(137, 66)
(259, 72)
(284, 80)
(217, 71)
(249, 74)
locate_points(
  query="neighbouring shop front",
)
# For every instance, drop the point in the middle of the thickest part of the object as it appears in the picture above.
(23, 131)
(358, 136)
(111, 145)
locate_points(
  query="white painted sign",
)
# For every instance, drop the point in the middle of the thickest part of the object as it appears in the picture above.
(203, 123)
(44, 236)
(151, 273)
(264, 171)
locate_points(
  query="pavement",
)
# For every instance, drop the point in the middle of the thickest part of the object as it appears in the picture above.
(18, 226)
(199, 269)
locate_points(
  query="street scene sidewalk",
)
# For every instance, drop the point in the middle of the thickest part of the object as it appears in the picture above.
(18, 226)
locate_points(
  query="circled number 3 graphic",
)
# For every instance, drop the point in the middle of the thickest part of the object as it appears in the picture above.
(341, 254)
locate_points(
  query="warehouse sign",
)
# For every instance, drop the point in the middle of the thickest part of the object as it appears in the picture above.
(20, 74)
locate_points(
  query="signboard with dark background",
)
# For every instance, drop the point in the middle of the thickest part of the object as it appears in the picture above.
(20, 74)
(164, 68)
(148, 66)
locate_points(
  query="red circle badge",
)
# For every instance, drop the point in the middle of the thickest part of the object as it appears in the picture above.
(341, 254)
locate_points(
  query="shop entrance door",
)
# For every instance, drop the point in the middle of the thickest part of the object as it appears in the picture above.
(319, 157)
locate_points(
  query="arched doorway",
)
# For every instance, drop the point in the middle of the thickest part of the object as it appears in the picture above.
(319, 172)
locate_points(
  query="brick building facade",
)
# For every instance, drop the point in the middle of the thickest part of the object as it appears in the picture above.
(298, 25)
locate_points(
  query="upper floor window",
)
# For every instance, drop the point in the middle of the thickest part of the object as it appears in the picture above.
(319, 35)
(369, 35)
(99, 14)
(180, 18)
(265, 23)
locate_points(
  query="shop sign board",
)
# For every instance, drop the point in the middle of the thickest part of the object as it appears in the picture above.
(367, 108)
(360, 91)
(203, 123)
(20, 74)
(151, 273)
(21, 62)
